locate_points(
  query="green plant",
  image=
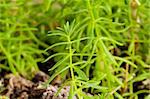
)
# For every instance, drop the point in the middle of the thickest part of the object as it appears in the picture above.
(84, 47)
(100, 47)
(19, 46)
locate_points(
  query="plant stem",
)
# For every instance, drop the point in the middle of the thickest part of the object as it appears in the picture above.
(71, 65)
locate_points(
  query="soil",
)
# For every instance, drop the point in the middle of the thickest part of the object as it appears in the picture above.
(17, 87)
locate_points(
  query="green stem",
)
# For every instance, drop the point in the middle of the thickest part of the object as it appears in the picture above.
(71, 65)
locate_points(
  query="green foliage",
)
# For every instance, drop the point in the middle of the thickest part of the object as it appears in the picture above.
(19, 46)
(84, 47)
(100, 46)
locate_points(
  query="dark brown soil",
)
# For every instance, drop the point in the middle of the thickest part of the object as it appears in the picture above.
(17, 87)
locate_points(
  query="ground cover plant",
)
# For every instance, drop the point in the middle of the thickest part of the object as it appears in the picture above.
(96, 48)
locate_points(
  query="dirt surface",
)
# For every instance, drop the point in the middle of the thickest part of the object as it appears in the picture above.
(17, 87)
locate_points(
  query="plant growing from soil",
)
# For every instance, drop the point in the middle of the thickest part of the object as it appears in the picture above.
(101, 47)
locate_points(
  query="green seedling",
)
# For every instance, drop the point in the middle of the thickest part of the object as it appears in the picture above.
(83, 47)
